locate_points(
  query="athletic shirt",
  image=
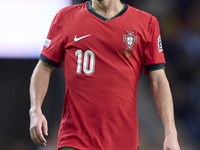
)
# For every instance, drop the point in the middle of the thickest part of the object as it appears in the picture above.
(103, 59)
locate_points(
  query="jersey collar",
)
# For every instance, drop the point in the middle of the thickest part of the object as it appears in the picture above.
(89, 7)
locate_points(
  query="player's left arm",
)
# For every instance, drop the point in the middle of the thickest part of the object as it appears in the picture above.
(164, 103)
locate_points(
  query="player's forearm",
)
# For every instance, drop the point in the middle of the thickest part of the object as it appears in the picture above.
(38, 86)
(163, 99)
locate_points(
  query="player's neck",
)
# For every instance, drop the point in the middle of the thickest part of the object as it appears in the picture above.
(107, 8)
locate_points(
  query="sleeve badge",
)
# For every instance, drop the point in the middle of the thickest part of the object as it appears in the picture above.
(160, 48)
(47, 42)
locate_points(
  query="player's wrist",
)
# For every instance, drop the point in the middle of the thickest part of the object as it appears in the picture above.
(171, 133)
(34, 110)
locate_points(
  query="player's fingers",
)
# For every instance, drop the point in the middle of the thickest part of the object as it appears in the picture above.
(45, 128)
(31, 134)
(35, 138)
(41, 137)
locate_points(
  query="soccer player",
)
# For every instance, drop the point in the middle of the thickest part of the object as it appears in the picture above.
(103, 45)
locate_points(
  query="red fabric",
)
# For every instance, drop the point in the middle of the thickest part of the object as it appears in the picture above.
(100, 108)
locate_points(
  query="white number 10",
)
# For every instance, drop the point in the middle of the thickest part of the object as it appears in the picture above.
(87, 55)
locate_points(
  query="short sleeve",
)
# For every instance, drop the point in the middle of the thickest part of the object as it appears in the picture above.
(52, 53)
(153, 54)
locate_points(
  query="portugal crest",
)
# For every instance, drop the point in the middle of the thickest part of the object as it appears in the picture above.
(130, 40)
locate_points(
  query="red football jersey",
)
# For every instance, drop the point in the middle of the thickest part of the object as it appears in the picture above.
(103, 59)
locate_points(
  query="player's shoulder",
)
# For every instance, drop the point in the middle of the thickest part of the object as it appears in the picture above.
(72, 9)
(142, 15)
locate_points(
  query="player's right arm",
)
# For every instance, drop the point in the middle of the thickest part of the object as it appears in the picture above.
(38, 89)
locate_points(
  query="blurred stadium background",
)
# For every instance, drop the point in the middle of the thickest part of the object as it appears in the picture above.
(19, 51)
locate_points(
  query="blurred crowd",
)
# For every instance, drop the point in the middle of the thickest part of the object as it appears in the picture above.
(180, 29)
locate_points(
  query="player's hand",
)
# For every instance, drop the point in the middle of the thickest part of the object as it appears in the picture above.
(171, 143)
(38, 128)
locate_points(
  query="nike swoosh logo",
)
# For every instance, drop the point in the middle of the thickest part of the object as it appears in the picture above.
(80, 38)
